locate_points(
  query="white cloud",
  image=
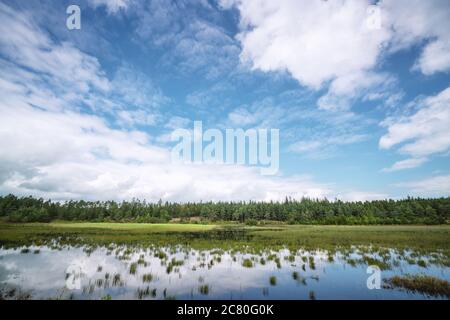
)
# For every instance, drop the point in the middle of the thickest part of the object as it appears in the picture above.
(52, 148)
(262, 114)
(138, 117)
(192, 40)
(430, 187)
(112, 6)
(321, 147)
(51, 74)
(323, 43)
(177, 123)
(67, 155)
(305, 130)
(435, 57)
(55, 149)
(362, 196)
(137, 90)
(423, 133)
(406, 164)
(417, 21)
(316, 41)
(30, 48)
(72, 156)
(359, 85)
(241, 117)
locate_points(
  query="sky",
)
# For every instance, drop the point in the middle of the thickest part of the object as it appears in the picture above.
(359, 90)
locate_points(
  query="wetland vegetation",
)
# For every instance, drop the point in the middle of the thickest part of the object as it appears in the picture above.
(427, 285)
(194, 261)
(308, 249)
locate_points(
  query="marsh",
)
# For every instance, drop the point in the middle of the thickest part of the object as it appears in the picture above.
(213, 262)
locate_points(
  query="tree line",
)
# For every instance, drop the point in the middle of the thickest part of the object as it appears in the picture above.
(304, 211)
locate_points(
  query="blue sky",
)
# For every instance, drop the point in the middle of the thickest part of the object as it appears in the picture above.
(362, 105)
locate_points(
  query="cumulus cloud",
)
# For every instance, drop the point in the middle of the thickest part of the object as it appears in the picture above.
(52, 147)
(416, 22)
(423, 133)
(437, 186)
(72, 156)
(435, 57)
(112, 6)
(316, 41)
(344, 90)
(335, 43)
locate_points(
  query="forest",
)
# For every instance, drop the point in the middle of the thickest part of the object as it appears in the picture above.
(304, 211)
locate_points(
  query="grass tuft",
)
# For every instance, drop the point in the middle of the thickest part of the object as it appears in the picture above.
(423, 284)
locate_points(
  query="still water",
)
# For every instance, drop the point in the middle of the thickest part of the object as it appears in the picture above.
(180, 272)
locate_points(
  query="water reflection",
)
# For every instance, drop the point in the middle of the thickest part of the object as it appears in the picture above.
(180, 272)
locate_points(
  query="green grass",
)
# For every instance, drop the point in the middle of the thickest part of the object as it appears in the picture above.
(204, 289)
(223, 236)
(133, 268)
(99, 233)
(420, 284)
(247, 263)
(138, 227)
(147, 277)
(402, 236)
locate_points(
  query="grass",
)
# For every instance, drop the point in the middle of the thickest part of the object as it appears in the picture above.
(173, 264)
(401, 236)
(247, 263)
(420, 284)
(221, 236)
(133, 268)
(140, 227)
(147, 277)
(204, 289)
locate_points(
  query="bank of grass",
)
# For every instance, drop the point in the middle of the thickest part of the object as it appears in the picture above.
(400, 236)
(135, 227)
(423, 284)
(199, 235)
(97, 233)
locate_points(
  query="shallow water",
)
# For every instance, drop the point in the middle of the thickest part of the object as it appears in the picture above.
(179, 272)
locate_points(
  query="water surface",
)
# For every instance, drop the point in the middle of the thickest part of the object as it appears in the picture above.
(180, 272)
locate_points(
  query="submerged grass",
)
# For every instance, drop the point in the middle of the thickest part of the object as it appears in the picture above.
(247, 263)
(133, 268)
(227, 236)
(204, 289)
(147, 277)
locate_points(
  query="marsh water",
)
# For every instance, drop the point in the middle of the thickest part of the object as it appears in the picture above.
(180, 272)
